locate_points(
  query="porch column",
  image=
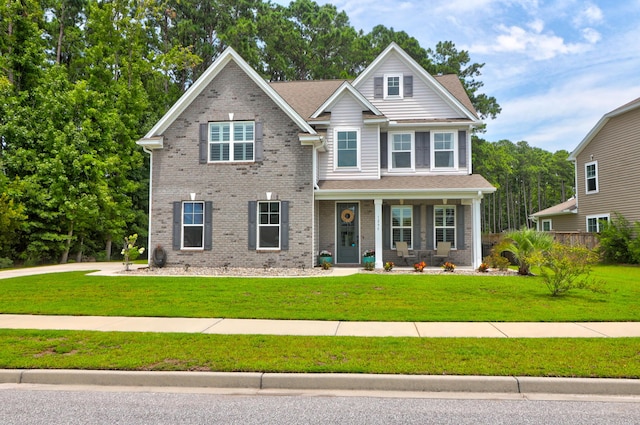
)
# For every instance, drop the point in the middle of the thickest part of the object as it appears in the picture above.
(476, 233)
(378, 232)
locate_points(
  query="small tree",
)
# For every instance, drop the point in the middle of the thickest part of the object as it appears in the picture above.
(564, 268)
(526, 245)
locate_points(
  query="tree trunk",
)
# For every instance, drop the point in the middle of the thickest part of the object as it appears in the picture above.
(79, 254)
(108, 249)
(65, 254)
(60, 35)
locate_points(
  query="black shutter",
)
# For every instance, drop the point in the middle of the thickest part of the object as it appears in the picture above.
(462, 149)
(430, 224)
(384, 147)
(386, 226)
(204, 143)
(177, 225)
(460, 230)
(253, 217)
(284, 225)
(378, 87)
(208, 225)
(423, 152)
(417, 243)
(259, 145)
(408, 86)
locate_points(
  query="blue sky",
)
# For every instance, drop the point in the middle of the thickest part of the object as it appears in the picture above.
(555, 67)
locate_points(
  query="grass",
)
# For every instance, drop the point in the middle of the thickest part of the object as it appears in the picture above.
(615, 358)
(411, 297)
(362, 297)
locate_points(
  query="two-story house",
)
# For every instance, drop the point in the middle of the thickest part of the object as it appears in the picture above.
(250, 173)
(607, 176)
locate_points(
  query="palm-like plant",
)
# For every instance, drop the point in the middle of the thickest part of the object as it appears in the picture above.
(527, 247)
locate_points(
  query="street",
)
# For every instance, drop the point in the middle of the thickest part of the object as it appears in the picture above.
(30, 404)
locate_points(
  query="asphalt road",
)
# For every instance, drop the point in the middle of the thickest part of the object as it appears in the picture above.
(92, 405)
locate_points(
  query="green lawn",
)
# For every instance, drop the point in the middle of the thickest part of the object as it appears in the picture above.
(413, 297)
(374, 297)
(604, 357)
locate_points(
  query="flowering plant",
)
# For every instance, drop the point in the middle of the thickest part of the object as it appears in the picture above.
(325, 253)
(369, 253)
(448, 267)
(130, 251)
(484, 267)
(388, 266)
(419, 267)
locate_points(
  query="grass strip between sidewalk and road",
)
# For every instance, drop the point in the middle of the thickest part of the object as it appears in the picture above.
(566, 357)
(413, 297)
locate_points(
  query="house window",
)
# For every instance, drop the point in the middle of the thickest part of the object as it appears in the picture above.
(445, 224)
(402, 225)
(269, 225)
(193, 225)
(231, 141)
(401, 151)
(594, 222)
(393, 86)
(591, 176)
(546, 225)
(347, 148)
(444, 149)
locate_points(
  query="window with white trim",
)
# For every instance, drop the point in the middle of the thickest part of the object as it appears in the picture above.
(347, 146)
(269, 225)
(193, 225)
(402, 225)
(445, 224)
(594, 222)
(231, 141)
(591, 177)
(393, 86)
(401, 151)
(443, 151)
(546, 225)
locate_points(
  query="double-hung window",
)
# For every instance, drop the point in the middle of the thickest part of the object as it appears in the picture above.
(269, 225)
(193, 225)
(402, 146)
(445, 224)
(347, 145)
(393, 86)
(594, 222)
(591, 177)
(546, 225)
(402, 225)
(444, 149)
(231, 141)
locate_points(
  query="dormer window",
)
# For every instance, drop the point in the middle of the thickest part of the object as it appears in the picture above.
(393, 86)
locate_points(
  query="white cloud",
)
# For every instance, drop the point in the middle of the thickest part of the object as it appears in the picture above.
(592, 36)
(589, 15)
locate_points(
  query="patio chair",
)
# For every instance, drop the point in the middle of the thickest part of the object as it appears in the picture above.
(402, 251)
(443, 252)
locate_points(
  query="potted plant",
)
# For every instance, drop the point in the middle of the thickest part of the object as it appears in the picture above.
(325, 257)
(369, 256)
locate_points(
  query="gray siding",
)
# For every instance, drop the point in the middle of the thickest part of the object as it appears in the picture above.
(286, 171)
(616, 147)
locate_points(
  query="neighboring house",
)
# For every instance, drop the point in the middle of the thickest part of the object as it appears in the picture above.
(607, 173)
(249, 173)
(559, 218)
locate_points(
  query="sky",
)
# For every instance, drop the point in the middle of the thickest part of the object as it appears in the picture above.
(555, 67)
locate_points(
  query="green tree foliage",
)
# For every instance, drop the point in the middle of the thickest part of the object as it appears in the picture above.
(618, 244)
(527, 246)
(564, 268)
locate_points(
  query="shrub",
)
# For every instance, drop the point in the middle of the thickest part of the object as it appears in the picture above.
(448, 266)
(527, 247)
(497, 261)
(615, 240)
(369, 266)
(419, 267)
(567, 267)
(484, 267)
(5, 263)
(388, 266)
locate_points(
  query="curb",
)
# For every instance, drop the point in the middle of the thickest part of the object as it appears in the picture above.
(329, 381)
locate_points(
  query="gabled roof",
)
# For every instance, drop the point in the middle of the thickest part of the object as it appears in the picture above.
(446, 93)
(347, 88)
(634, 104)
(203, 81)
(567, 207)
(306, 96)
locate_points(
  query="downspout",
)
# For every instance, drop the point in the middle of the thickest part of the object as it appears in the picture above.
(149, 251)
(315, 168)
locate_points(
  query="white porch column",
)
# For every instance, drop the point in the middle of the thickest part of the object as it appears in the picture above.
(378, 232)
(476, 233)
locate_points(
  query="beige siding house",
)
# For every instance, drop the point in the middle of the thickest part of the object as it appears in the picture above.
(607, 175)
(250, 173)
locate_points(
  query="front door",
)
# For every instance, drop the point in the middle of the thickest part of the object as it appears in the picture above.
(347, 243)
